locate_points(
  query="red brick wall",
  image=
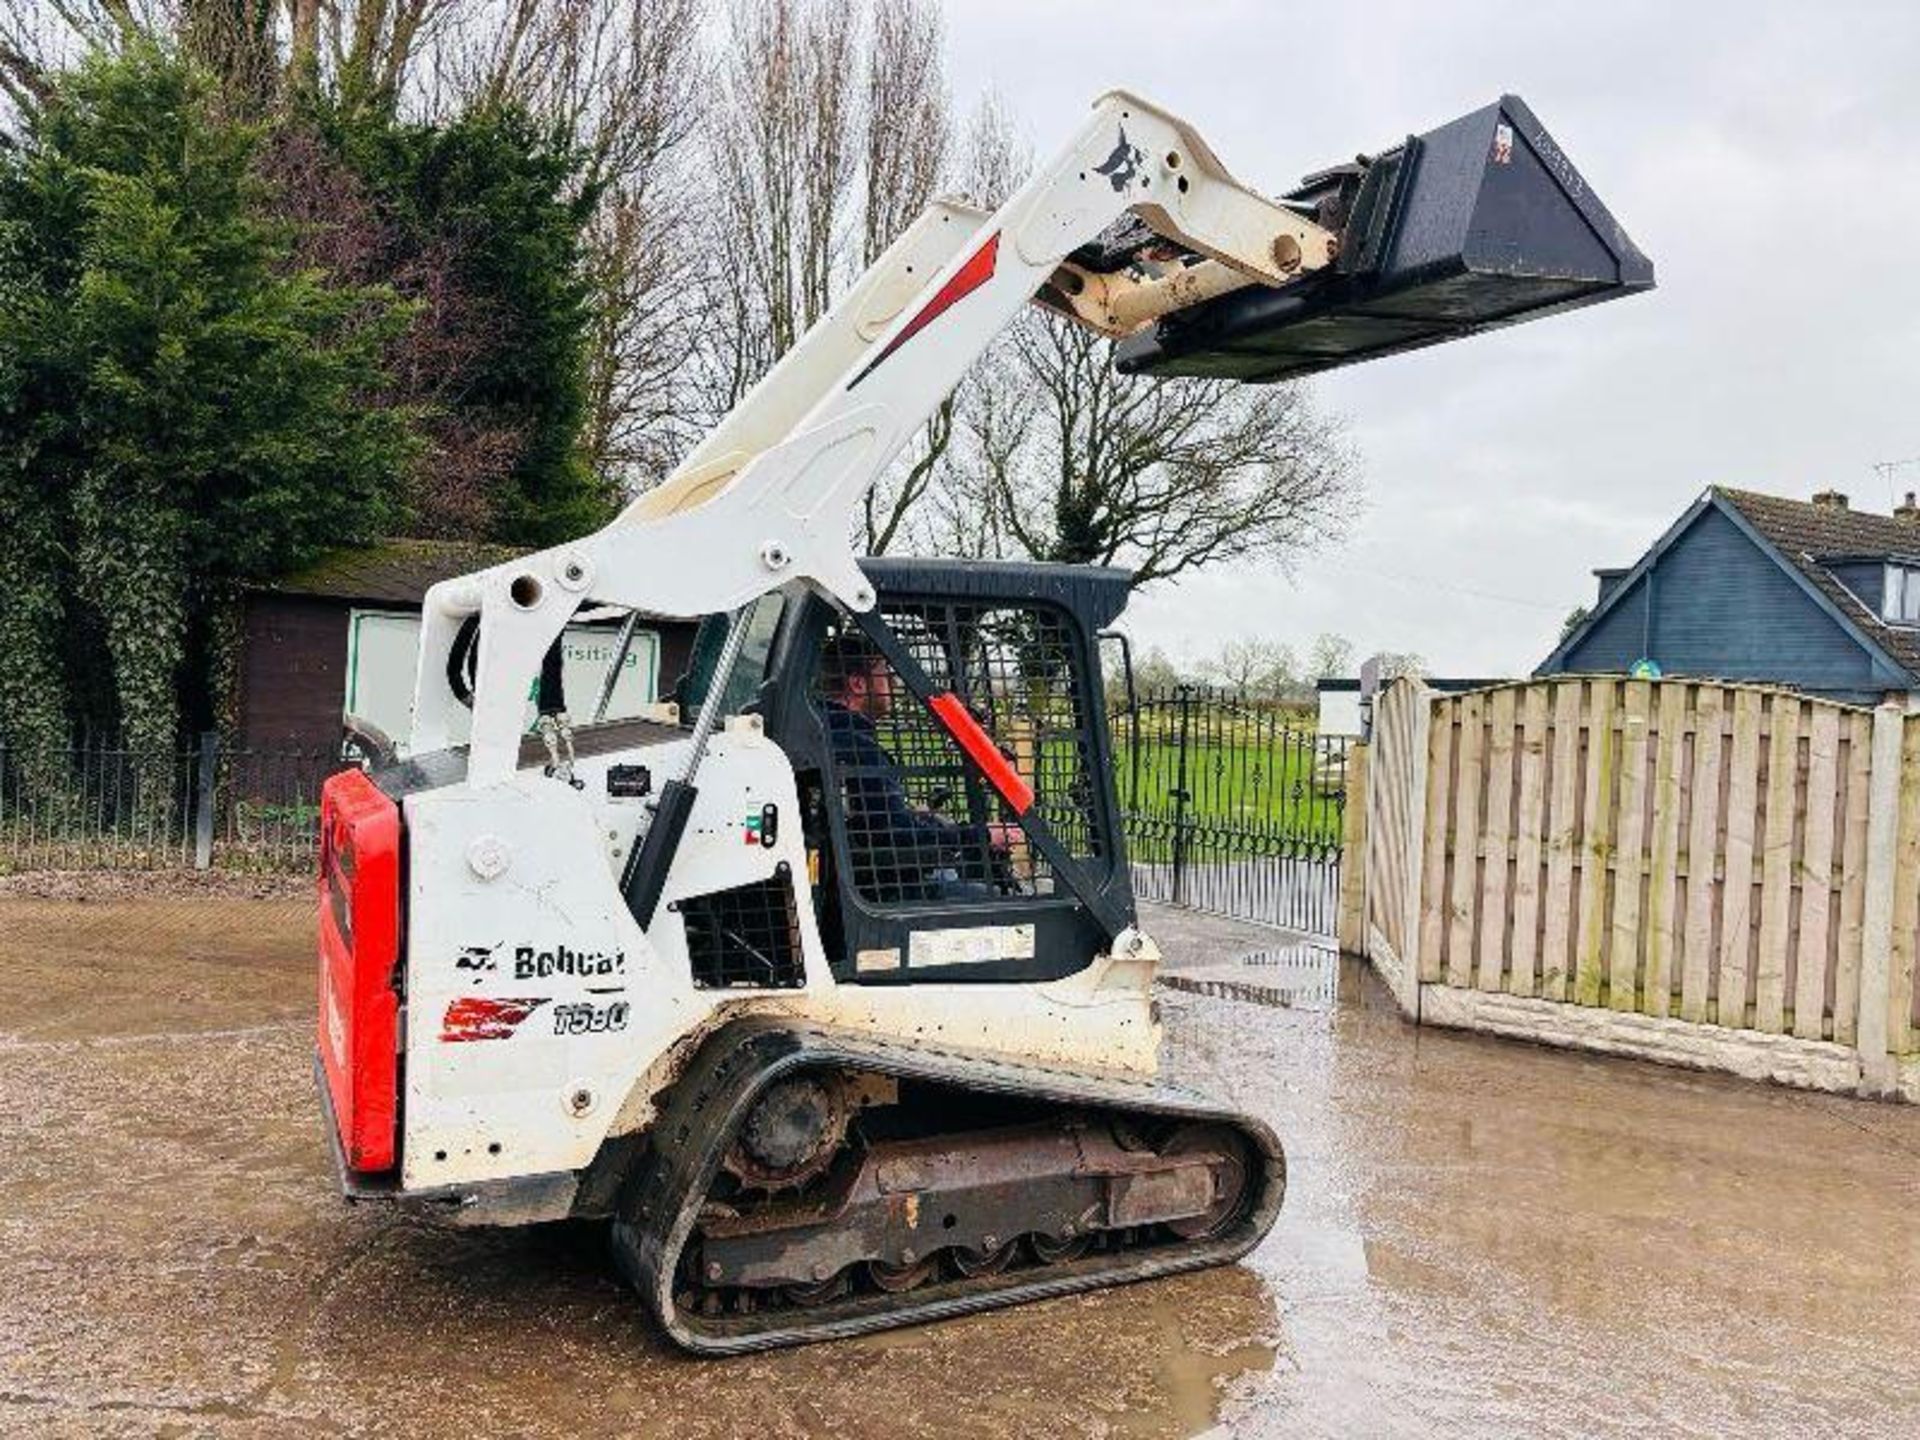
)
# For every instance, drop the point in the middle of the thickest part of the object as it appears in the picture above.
(293, 672)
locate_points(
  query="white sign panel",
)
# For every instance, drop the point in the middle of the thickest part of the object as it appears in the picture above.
(383, 649)
(979, 945)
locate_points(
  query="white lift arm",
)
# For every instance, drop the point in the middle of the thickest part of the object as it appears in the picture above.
(769, 497)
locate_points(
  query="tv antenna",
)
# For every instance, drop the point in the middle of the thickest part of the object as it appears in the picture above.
(1887, 469)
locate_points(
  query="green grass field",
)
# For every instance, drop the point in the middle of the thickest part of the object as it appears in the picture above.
(1244, 791)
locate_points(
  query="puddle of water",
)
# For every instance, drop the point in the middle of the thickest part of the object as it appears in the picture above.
(1297, 976)
(1204, 1348)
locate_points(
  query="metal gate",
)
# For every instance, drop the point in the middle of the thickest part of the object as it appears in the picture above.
(1232, 805)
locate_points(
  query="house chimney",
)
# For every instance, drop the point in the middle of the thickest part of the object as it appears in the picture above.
(1907, 513)
(1830, 500)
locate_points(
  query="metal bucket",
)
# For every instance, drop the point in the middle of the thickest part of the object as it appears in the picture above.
(1481, 223)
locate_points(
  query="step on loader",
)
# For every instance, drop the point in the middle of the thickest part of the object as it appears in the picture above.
(823, 984)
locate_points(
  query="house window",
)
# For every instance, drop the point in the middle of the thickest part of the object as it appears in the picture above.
(1900, 602)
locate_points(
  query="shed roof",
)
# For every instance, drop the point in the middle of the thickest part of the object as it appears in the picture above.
(390, 572)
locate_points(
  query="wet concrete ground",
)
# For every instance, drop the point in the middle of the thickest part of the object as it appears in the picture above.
(1481, 1239)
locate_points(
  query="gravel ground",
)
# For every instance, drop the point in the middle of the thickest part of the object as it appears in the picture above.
(1480, 1239)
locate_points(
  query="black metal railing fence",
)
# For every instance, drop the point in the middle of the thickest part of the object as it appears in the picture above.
(1229, 803)
(108, 806)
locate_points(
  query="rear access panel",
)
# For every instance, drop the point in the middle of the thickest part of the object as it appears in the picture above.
(1481, 223)
(359, 948)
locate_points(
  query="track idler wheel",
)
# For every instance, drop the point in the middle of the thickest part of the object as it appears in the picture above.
(1232, 1177)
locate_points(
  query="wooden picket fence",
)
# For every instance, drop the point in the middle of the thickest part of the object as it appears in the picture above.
(1726, 858)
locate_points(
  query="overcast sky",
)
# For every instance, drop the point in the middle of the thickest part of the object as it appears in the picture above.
(1764, 155)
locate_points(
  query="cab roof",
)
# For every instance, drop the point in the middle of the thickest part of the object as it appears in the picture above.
(1096, 593)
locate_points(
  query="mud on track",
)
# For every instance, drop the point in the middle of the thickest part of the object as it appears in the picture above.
(1481, 1239)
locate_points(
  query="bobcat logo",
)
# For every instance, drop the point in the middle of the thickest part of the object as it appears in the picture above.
(477, 958)
(1123, 164)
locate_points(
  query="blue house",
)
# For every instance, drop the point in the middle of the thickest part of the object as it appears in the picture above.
(1808, 593)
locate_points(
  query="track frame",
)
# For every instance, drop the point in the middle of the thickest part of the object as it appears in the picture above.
(700, 1116)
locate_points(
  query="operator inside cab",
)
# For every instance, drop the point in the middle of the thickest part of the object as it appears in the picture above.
(899, 851)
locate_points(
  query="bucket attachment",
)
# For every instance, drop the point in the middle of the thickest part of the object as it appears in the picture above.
(1481, 223)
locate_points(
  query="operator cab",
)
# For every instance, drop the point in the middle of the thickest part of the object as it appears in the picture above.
(917, 867)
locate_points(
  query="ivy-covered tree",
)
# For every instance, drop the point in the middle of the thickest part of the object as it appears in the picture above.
(33, 717)
(185, 407)
(484, 216)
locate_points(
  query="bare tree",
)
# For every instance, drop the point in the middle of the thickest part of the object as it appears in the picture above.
(1086, 465)
(783, 158)
(622, 81)
(373, 50)
(37, 37)
(365, 49)
(924, 503)
(1159, 671)
(906, 118)
(1331, 655)
(235, 40)
(1260, 669)
(833, 131)
(619, 79)
(908, 123)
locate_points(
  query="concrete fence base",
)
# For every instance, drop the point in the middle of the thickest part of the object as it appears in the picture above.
(1750, 1054)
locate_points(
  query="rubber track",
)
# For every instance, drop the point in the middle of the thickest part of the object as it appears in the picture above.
(710, 1101)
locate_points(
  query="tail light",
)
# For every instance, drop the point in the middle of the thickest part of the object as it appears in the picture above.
(359, 947)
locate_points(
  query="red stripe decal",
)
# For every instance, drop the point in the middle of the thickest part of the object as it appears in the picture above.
(963, 282)
(952, 713)
(475, 1017)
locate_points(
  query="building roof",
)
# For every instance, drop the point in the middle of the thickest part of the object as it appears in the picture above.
(1804, 538)
(1810, 536)
(390, 572)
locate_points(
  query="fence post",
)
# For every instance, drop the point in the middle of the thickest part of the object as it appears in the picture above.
(1185, 693)
(203, 801)
(1351, 930)
(1417, 822)
(1876, 930)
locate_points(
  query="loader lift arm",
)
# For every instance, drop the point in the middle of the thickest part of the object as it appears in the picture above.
(768, 500)
(1133, 229)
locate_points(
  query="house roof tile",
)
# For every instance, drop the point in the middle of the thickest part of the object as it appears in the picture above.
(1809, 535)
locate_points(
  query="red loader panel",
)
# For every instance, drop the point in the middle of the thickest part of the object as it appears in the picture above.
(359, 947)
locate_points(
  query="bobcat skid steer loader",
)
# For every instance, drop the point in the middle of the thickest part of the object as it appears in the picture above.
(825, 986)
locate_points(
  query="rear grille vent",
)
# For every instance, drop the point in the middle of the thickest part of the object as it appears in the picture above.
(747, 936)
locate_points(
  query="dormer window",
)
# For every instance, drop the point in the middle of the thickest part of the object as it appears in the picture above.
(1900, 599)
